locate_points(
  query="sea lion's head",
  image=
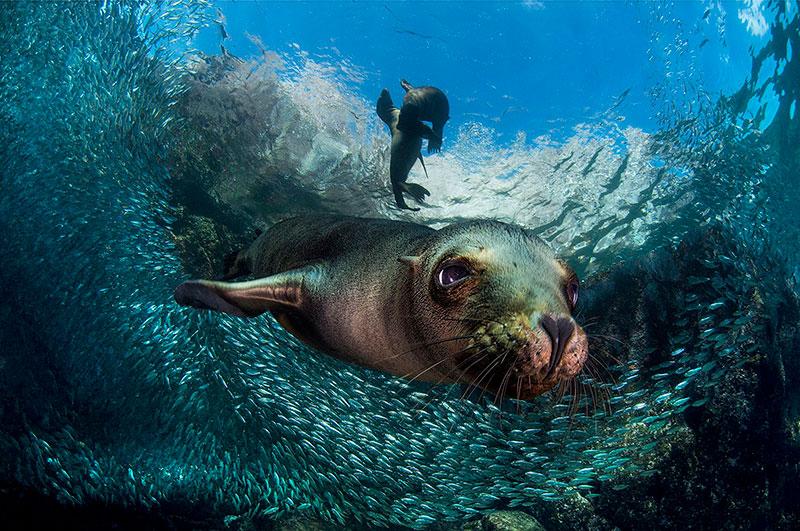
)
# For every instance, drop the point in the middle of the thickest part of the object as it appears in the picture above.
(495, 303)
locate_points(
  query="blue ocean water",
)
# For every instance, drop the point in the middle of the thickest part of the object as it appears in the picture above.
(654, 146)
(535, 67)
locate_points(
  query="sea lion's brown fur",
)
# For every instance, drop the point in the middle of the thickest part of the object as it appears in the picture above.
(372, 292)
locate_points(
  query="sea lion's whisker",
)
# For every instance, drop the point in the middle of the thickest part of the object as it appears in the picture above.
(599, 394)
(591, 363)
(588, 322)
(488, 375)
(560, 390)
(424, 370)
(459, 379)
(574, 391)
(597, 363)
(567, 390)
(476, 382)
(459, 376)
(507, 386)
(501, 359)
(456, 366)
(598, 340)
(465, 371)
(611, 338)
(594, 389)
(428, 344)
(592, 394)
(588, 327)
(498, 397)
(473, 319)
(605, 353)
(503, 384)
(445, 358)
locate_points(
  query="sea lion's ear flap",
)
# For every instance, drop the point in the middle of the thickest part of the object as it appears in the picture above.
(410, 261)
(248, 299)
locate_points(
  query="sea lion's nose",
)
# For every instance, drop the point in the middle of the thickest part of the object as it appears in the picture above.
(559, 329)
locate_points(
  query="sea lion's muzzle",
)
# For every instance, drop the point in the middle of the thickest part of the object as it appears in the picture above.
(529, 356)
(556, 351)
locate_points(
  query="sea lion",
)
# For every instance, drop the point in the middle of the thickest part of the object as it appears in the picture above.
(404, 153)
(424, 104)
(482, 303)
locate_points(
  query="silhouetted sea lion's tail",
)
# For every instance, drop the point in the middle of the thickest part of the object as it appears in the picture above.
(421, 161)
(400, 200)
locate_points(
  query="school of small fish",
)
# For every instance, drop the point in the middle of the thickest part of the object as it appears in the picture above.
(155, 402)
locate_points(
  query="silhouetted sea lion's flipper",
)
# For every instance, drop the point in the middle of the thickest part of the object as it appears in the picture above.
(423, 130)
(419, 156)
(434, 143)
(398, 189)
(386, 109)
(406, 85)
(249, 299)
(408, 123)
(416, 191)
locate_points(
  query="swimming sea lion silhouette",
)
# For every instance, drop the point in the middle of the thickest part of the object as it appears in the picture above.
(405, 151)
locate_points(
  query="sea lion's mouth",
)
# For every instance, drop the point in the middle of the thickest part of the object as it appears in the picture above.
(516, 361)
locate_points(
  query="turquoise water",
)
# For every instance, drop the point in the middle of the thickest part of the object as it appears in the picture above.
(653, 146)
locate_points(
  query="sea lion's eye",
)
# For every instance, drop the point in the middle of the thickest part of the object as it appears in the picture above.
(572, 292)
(452, 273)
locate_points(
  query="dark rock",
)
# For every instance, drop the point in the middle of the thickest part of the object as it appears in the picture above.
(203, 242)
(505, 521)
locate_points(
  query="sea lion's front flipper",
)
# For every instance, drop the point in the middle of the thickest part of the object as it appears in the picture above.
(385, 108)
(417, 127)
(248, 299)
(434, 143)
(409, 122)
(419, 156)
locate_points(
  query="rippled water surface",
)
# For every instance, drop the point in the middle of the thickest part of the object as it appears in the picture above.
(654, 146)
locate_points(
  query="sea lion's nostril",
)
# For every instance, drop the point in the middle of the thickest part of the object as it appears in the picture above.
(549, 325)
(559, 330)
(565, 329)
